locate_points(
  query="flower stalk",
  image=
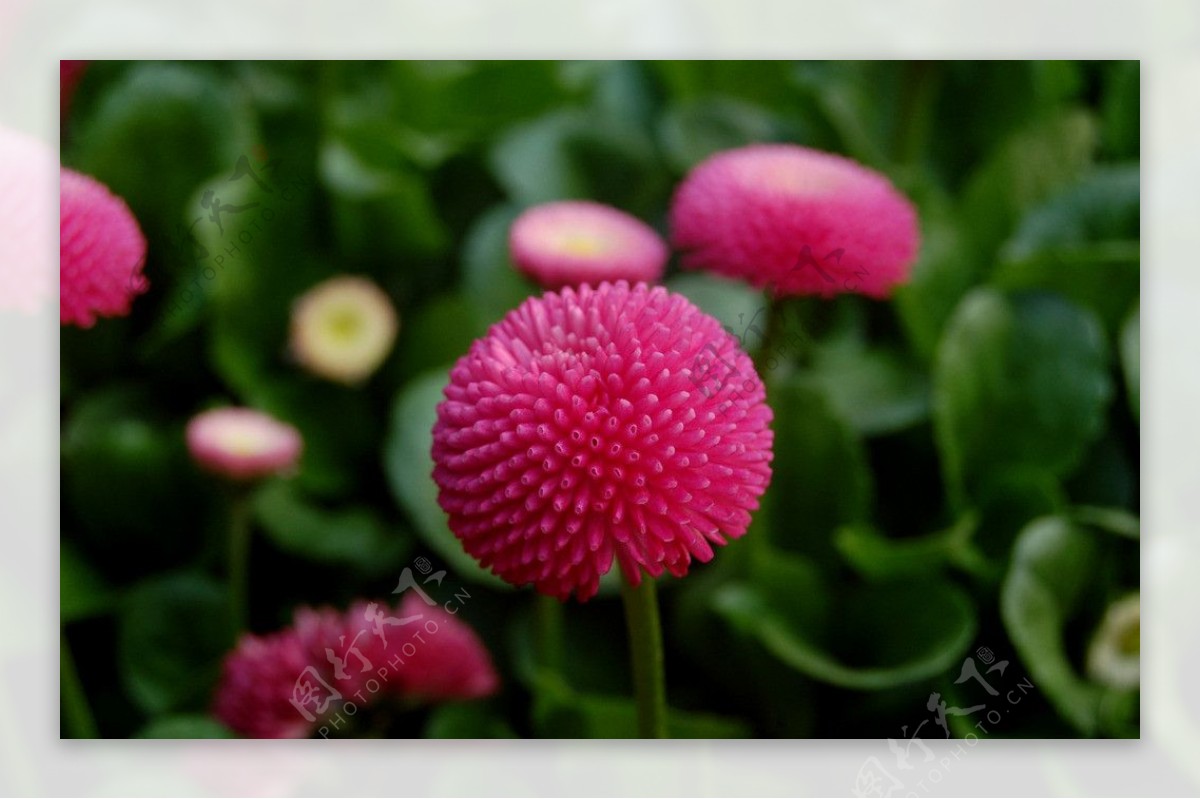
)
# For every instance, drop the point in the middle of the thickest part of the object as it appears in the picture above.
(646, 657)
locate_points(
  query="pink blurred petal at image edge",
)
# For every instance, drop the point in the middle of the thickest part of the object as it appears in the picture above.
(28, 174)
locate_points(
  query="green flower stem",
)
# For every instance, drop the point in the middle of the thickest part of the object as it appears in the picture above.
(76, 711)
(646, 654)
(550, 634)
(239, 562)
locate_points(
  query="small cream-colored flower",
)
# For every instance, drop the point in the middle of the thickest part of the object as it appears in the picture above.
(1114, 657)
(343, 329)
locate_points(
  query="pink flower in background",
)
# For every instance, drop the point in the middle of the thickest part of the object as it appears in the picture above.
(287, 684)
(69, 75)
(452, 663)
(343, 329)
(573, 242)
(259, 680)
(28, 169)
(591, 425)
(243, 444)
(102, 252)
(799, 220)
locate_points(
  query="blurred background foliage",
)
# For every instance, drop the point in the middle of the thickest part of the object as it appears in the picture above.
(956, 468)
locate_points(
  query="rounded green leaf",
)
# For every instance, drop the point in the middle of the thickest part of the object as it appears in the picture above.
(171, 636)
(820, 479)
(82, 591)
(127, 479)
(876, 390)
(467, 720)
(157, 134)
(870, 638)
(353, 535)
(692, 131)
(1051, 580)
(185, 727)
(490, 280)
(1019, 382)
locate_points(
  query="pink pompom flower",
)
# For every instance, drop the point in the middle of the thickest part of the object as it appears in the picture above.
(260, 679)
(453, 664)
(290, 683)
(589, 425)
(27, 172)
(573, 242)
(103, 252)
(243, 444)
(798, 220)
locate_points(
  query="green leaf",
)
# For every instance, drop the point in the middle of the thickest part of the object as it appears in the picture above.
(568, 714)
(171, 636)
(879, 557)
(987, 102)
(185, 727)
(467, 720)
(1131, 359)
(1026, 169)
(1121, 109)
(692, 131)
(1052, 569)
(858, 99)
(489, 279)
(380, 212)
(463, 100)
(1107, 475)
(1019, 382)
(820, 477)
(334, 454)
(1102, 207)
(575, 154)
(157, 134)
(870, 638)
(1083, 243)
(876, 390)
(354, 536)
(438, 334)
(944, 272)
(83, 593)
(740, 309)
(409, 467)
(127, 479)
(1005, 504)
(1111, 520)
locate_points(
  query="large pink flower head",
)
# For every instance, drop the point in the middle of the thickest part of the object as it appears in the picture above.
(799, 220)
(243, 444)
(291, 683)
(27, 171)
(572, 242)
(590, 424)
(102, 252)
